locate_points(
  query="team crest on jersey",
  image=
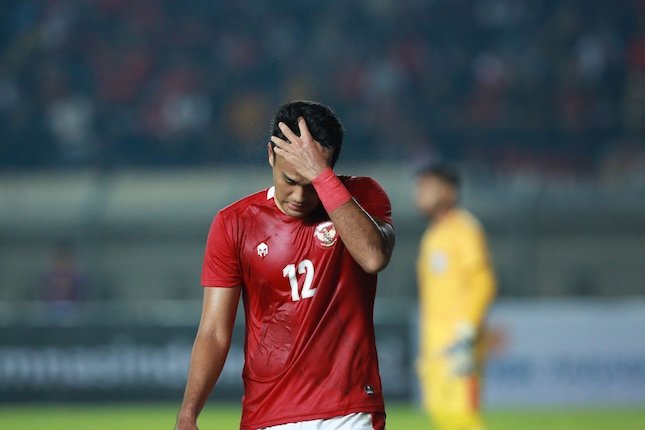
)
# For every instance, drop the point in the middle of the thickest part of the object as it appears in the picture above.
(326, 234)
(439, 262)
(263, 250)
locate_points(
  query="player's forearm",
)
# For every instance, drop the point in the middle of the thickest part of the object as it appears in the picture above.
(482, 294)
(369, 243)
(206, 363)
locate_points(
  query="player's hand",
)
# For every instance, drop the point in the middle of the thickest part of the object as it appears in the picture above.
(307, 156)
(462, 351)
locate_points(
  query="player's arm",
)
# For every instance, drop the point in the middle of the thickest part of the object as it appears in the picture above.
(369, 241)
(479, 291)
(209, 352)
(479, 278)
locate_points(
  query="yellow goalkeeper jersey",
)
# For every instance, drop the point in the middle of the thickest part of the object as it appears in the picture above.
(456, 281)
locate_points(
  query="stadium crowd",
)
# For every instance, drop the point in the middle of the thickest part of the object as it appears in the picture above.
(552, 86)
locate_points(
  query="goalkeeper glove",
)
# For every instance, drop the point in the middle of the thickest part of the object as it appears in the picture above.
(462, 351)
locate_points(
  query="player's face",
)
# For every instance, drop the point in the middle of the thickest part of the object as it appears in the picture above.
(433, 195)
(294, 195)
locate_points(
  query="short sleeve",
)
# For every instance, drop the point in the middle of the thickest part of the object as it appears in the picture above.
(473, 248)
(221, 266)
(372, 197)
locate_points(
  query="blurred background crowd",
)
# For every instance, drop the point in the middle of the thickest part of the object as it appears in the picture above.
(549, 88)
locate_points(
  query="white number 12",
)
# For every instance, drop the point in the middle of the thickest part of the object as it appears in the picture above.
(305, 267)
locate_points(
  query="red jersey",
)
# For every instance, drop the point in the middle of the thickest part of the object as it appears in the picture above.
(310, 351)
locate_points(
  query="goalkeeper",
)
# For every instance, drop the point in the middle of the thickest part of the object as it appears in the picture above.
(456, 288)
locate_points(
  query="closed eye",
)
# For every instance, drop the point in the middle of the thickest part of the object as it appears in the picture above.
(288, 180)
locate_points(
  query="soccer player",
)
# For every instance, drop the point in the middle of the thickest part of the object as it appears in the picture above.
(456, 288)
(304, 255)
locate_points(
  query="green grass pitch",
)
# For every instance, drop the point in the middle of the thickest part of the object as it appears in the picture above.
(218, 417)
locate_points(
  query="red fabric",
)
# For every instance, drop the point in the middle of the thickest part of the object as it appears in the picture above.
(331, 191)
(378, 421)
(314, 357)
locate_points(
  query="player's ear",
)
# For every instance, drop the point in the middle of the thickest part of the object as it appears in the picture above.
(271, 154)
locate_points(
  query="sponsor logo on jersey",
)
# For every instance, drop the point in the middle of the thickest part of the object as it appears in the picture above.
(263, 250)
(369, 390)
(439, 261)
(326, 234)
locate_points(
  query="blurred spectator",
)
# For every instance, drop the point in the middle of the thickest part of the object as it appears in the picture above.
(70, 121)
(63, 284)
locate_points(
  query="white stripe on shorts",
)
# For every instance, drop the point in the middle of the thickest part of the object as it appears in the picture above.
(356, 421)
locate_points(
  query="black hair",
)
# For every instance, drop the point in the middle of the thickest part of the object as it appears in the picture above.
(322, 122)
(445, 171)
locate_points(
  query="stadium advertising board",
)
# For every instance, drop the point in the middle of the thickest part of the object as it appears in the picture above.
(138, 363)
(541, 354)
(566, 353)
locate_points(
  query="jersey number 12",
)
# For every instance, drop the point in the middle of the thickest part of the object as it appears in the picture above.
(305, 267)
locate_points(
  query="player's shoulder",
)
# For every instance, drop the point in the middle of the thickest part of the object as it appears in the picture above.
(466, 220)
(361, 183)
(247, 204)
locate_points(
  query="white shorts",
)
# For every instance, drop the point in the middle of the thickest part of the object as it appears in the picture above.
(356, 421)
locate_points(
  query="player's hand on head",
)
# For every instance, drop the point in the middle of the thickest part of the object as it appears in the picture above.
(308, 157)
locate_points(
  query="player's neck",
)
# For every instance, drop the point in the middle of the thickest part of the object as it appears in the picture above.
(279, 206)
(442, 213)
(314, 215)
